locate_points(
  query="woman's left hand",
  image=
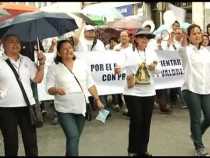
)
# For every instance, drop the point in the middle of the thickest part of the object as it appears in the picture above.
(152, 66)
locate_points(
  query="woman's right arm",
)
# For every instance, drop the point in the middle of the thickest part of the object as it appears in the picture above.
(50, 82)
(56, 91)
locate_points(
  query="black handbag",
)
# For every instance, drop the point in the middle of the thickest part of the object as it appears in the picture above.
(36, 117)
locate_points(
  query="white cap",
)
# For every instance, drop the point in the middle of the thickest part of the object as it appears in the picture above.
(89, 27)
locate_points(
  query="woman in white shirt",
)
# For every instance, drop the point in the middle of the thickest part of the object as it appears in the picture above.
(69, 80)
(196, 87)
(140, 95)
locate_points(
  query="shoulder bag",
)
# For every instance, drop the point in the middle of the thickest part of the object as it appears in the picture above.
(36, 118)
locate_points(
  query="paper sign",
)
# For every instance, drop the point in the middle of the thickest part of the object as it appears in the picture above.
(102, 115)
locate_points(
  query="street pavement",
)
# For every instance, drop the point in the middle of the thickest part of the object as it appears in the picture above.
(170, 136)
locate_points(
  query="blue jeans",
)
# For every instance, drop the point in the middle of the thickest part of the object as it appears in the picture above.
(72, 125)
(196, 104)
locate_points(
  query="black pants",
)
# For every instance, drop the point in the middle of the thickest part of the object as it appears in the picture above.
(10, 118)
(140, 112)
(162, 98)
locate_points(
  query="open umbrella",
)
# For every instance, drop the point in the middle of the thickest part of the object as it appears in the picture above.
(163, 27)
(130, 22)
(12, 7)
(3, 12)
(69, 8)
(29, 26)
(15, 9)
(104, 10)
(98, 20)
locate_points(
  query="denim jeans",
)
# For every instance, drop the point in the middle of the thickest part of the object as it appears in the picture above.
(196, 104)
(72, 125)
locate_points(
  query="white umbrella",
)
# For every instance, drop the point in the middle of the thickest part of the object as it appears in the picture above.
(129, 22)
(70, 8)
(3, 12)
(104, 10)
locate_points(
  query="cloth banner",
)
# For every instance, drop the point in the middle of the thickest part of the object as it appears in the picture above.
(102, 65)
(102, 68)
(172, 73)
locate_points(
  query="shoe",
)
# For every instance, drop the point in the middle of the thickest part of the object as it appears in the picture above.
(147, 154)
(54, 121)
(166, 110)
(132, 154)
(44, 111)
(184, 107)
(201, 152)
(125, 112)
(116, 108)
(156, 106)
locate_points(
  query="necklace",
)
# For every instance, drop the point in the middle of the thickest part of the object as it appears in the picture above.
(142, 56)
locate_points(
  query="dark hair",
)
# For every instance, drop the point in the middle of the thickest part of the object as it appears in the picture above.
(10, 35)
(147, 26)
(206, 35)
(113, 39)
(59, 45)
(176, 22)
(71, 39)
(208, 26)
(189, 30)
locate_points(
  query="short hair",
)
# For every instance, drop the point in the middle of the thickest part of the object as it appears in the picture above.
(147, 26)
(208, 25)
(176, 22)
(113, 39)
(10, 35)
(124, 31)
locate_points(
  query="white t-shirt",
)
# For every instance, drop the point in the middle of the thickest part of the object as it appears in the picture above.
(85, 45)
(9, 87)
(175, 46)
(196, 64)
(59, 76)
(136, 58)
(118, 47)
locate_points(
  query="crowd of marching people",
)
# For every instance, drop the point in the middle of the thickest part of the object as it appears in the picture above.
(69, 80)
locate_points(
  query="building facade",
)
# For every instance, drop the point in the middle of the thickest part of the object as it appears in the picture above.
(196, 12)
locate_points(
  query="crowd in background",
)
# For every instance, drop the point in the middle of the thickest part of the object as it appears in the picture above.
(166, 99)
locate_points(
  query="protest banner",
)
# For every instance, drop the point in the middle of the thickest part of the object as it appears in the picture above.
(102, 68)
(171, 73)
(101, 65)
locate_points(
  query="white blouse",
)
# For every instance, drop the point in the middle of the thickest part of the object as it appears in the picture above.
(196, 64)
(74, 100)
(136, 58)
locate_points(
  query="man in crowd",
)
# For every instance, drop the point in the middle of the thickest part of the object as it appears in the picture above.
(90, 42)
(123, 46)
